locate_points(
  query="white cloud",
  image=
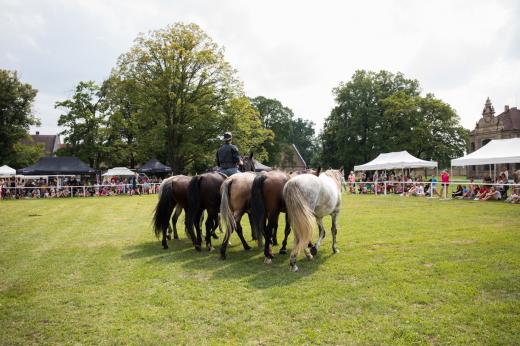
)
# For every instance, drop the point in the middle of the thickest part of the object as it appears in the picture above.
(295, 51)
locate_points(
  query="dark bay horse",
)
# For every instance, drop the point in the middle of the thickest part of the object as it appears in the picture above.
(266, 205)
(173, 194)
(204, 194)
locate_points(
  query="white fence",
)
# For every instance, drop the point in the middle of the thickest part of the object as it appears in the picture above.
(24, 192)
(388, 186)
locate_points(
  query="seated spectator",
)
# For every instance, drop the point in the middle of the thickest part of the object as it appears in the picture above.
(482, 192)
(493, 194)
(459, 192)
(515, 195)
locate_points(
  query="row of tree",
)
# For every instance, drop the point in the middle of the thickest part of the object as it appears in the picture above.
(172, 95)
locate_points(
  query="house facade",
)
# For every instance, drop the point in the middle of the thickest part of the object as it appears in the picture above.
(504, 125)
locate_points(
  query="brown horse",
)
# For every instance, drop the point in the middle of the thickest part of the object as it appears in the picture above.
(236, 201)
(172, 195)
(204, 194)
(266, 205)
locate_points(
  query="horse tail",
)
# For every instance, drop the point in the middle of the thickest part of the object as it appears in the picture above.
(258, 207)
(225, 211)
(194, 204)
(300, 215)
(163, 209)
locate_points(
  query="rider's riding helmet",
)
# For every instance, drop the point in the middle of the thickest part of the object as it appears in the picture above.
(227, 136)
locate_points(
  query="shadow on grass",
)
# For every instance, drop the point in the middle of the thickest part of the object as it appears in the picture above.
(243, 266)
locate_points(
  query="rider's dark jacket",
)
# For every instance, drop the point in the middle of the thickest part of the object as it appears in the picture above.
(228, 156)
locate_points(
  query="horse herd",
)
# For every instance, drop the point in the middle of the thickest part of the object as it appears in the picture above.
(303, 196)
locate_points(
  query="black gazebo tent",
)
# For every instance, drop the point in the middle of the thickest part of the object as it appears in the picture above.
(154, 166)
(65, 165)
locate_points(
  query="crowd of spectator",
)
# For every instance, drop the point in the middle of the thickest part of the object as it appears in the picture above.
(406, 185)
(22, 188)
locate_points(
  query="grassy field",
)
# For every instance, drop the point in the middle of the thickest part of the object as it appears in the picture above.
(410, 270)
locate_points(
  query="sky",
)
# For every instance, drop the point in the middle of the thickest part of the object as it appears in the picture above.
(293, 51)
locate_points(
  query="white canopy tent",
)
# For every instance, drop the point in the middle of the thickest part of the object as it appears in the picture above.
(495, 152)
(120, 172)
(6, 172)
(395, 160)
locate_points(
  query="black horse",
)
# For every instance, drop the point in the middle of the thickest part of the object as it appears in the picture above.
(204, 194)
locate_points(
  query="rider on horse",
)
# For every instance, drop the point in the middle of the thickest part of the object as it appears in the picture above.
(228, 158)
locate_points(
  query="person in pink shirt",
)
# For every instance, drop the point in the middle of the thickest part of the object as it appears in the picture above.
(445, 180)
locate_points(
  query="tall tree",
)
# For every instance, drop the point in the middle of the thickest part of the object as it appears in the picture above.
(16, 117)
(182, 75)
(287, 130)
(380, 112)
(84, 121)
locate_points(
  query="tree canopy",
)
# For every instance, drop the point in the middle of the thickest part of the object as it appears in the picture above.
(287, 130)
(379, 112)
(171, 96)
(16, 117)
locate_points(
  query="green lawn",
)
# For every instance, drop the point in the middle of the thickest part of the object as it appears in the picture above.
(410, 270)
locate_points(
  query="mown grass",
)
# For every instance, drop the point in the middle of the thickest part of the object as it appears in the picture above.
(410, 270)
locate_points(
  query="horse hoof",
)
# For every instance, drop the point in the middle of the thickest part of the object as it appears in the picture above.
(223, 256)
(283, 251)
(169, 237)
(198, 248)
(335, 250)
(294, 268)
(314, 251)
(309, 257)
(176, 237)
(267, 260)
(210, 248)
(249, 248)
(165, 247)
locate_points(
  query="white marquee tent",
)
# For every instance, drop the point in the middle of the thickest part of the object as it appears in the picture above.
(495, 152)
(120, 172)
(6, 171)
(395, 160)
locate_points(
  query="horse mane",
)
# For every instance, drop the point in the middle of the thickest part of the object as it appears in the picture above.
(335, 175)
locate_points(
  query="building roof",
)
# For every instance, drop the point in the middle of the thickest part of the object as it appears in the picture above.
(510, 119)
(50, 142)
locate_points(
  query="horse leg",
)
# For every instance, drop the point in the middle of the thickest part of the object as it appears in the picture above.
(164, 242)
(198, 241)
(294, 253)
(175, 217)
(215, 224)
(334, 231)
(267, 246)
(241, 234)
(274, 227)
(225, 242)
(210, 222)
(314, 249)
(287, 231)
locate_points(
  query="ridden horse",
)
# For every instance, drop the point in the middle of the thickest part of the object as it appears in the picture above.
(310, 198)
(204, 194)
(266, 205)
(172, 195)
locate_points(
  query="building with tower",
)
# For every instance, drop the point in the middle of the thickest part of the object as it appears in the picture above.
(504, 125)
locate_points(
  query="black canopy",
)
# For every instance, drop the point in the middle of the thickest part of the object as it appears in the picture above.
(154, 167)
(65, 165)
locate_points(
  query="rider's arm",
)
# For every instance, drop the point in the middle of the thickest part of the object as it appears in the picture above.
(236, 155)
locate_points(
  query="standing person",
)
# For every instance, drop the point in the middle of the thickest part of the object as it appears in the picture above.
(228, 157)
(352, 182)
(445, 181)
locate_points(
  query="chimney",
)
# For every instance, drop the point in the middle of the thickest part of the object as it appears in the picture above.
(506, 108)
(37, 133)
